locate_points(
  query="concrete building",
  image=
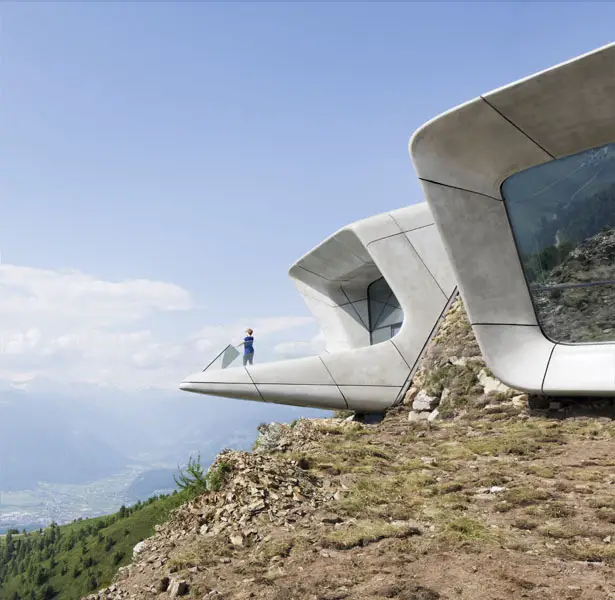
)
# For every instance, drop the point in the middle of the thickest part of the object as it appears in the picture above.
(377, 287)
(521, 183)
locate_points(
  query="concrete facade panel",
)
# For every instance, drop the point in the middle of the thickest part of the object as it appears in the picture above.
(412, 217)
(501, 345)
(374, 365)
(332, 261)
(416, 289)
(298, 371)
(242, 391)
(588, 367)
(348, 238)
(375, 228)
(482, 250)
(313, 286)
(369, 398)
(473, 148)
(314, 396)
(428, 245)
(566, 109)
(236, 374)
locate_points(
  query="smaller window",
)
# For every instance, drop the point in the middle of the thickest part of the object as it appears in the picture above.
(385, 314)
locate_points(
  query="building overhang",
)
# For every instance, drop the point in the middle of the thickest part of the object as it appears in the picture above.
(462, 158)
(404, 248)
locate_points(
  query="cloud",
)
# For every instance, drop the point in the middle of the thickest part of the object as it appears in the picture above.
(27, 292)
(297, 349)
(210, 337)
(68, 326)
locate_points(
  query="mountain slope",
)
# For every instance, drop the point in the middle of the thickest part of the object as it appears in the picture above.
(71, 560)
(492, 499)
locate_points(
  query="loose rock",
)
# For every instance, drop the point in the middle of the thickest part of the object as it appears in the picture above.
(424, 402)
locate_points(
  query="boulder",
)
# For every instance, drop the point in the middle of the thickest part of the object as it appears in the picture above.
(138, 549)
(410, 396)
(424, 401)
(520, 401)
(178, 588)
(490, 384)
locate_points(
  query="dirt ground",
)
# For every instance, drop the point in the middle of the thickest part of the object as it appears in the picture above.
(516, 505)
(492, 500)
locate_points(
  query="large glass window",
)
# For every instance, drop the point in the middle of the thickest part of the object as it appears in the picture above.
(562, 215)
(385, 313)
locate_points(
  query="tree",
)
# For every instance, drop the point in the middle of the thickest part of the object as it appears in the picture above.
(193, 478)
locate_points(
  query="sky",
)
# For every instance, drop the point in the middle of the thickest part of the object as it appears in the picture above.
(163, 164)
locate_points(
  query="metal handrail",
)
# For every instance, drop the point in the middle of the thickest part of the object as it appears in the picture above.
(565, 286)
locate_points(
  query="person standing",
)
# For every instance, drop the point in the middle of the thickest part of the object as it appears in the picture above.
(248, 348)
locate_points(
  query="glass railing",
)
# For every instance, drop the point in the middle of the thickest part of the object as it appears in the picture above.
(225, 359)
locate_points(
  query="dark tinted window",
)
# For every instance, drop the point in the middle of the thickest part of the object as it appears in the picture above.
(385, 313)
(562, 215)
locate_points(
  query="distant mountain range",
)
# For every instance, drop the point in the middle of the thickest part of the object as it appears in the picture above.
(63, 434)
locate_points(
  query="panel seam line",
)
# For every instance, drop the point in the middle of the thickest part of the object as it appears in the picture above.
(456, 187)
(426, 267)
(499, 112)
(254, 384)
(335, 382)
(353, 307)
(544, 377)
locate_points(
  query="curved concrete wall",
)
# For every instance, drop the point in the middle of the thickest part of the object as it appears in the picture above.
(404, 247)
(462, 158)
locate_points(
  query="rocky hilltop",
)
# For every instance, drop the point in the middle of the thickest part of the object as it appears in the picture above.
(468, 490)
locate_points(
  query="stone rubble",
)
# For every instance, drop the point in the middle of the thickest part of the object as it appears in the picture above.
(257, 490)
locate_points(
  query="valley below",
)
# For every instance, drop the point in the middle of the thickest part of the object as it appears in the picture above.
(63, 503)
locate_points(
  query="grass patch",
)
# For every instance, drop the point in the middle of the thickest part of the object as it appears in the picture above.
(560, 532)
(387, 497)
(540, 471)
(276, 547)
(204, 551)
(463, 530)
(522, 496)
(558, 510)
(525, 523)
(602, 502)
(367, 532)
(587, 551)
(505, 444)
(606, 514)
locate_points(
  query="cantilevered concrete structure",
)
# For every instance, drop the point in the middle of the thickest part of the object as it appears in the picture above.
(378, 287)
(521, 182)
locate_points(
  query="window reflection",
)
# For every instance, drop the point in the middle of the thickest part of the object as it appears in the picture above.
(562, 215)
(385, 313)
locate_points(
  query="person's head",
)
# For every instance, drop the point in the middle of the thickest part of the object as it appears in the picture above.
(249, 331)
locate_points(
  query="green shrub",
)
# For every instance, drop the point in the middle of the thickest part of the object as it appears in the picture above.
(192, 478)
(216, 475)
